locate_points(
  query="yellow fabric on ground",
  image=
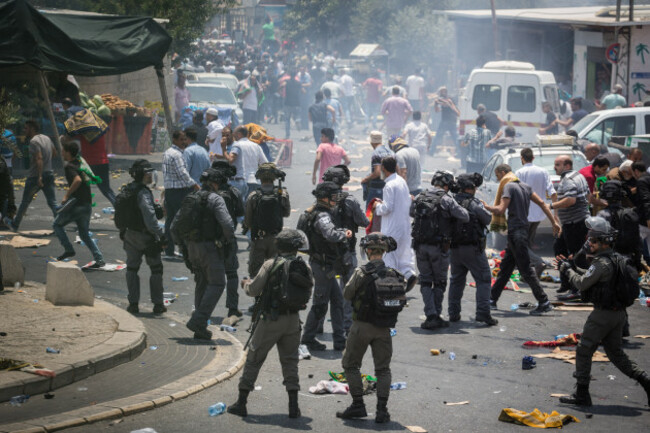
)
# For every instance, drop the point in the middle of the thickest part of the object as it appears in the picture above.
(536, 418)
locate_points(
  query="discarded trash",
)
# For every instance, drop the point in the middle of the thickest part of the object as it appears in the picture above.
(258, 388)
(459, 403)
(217, 409)
(415, 429)
(144, 430)
(393, 332)
(180, 278)
(536, 418)
(528, 363)
(303, 352)
(503, 329)
(311, 376)
(51, 350)
(611, 377)
(398, 385)
(474, 356)
(228, 328)
(210, 322)
(172, 324)
(153, 347)
(329, 387)
(514, 307)
(48, 396)
(17, 400)
(435, 352)
(557, 395)
(17, 285)
(108, 210)
(557, 337)
(82, 389)
(36, 301)
(452, 355)
(117, 421)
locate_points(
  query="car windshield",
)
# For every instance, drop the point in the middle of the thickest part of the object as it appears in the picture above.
(215, 95)
(547, 160)
(228, 82)
(582, 123)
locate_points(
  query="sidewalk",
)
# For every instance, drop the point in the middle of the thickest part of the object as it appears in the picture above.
(107, 353)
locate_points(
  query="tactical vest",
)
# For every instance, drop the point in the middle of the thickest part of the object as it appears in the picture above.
(430, 226)
(344, 217)
(288, 288)
(267, 213)
(381, 296)
(231, 197)
(603, 293)
(320, 249)
(127, 211)
(471, 232)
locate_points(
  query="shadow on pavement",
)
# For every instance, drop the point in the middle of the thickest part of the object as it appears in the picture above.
(280, 420)
(370, 424)
(440, 331)
(609, 409)
(189, 341)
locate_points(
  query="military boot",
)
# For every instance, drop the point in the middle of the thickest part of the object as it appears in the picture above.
(644, 381)
(239, 407)
(579, 398)
(382, 415)
(294, 410)
(356, 410)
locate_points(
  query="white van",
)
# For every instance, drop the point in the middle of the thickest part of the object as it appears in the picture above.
(600, 126)
(514, 91)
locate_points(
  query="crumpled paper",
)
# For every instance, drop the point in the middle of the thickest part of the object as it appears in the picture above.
(329, 387)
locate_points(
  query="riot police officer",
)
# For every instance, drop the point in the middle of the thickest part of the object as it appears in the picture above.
(378, 294)
(206, 254)
(265, 209)
(232, 197)
(348, 214)
(605, 323)
(327, 245)
(278, 325)
(468, 252)
(142, 236)
(433, 212)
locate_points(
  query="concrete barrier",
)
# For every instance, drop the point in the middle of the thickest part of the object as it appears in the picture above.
(13, 270)
(67, 285)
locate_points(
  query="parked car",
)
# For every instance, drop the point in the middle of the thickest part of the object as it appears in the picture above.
(600, 126)
(544, 157)
(205, 94)
(228, 80)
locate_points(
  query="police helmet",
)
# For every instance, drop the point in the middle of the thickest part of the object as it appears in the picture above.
(327, 189)
(267, 171)
(213, 175)
(380, 241)
(291, 240)
(139, 168)
(600, 229)
(469, 180)
(227, 169)
(443, 177)
(612, 191)
(339, 174)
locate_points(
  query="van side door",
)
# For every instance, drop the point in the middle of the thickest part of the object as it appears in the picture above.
(523, 105)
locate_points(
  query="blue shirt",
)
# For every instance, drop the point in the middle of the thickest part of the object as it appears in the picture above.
(197, 160)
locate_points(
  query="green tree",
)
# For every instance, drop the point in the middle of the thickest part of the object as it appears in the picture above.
(639, 90)
(317, 20)
(187, 18)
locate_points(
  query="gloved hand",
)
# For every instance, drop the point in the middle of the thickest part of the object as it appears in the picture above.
(564, 267)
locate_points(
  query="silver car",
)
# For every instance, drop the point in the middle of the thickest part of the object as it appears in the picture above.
(228, 80)
(204, 95)
(544, 157)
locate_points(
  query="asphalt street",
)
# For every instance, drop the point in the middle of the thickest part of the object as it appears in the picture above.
(486, 371)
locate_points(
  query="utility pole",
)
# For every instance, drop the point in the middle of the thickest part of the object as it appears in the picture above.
(495, 32)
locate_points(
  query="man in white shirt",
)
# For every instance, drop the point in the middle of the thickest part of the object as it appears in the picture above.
(539, 180)
(417, 134)
(215, 128)
(246, 156)
(408, 164)
(248, 91)
(395, 220)
(347, 94)
(415, 89)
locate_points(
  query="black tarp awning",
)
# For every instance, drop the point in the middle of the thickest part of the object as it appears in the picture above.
(87, 45)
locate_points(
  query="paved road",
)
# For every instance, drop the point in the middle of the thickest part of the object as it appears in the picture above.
(491, 381)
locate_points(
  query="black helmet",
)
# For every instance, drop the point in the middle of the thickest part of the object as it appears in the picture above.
(469, 180)
(213, 175)
(443, 177)
(291, 240)
(600, 229)
(612, 191)
(379, 240)
(268, 171)
(224, 167)
(327, 189)
(139, 168)
(339, 174)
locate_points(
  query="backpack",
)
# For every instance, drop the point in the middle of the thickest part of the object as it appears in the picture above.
(383, 298)
(192, 222)
(429, 227)
(626, 222)
(127, 212)
(232, 197)
(625, 281)
(291, 284)
(267, 213)
(470, 233)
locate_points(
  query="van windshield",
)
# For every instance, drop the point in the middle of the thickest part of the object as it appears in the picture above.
(582, 123)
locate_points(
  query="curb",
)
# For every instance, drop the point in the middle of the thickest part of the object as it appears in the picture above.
(126, 344)
(178, 390)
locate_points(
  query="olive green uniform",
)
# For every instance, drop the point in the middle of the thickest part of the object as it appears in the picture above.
(362, 335)
(283, 332)
(604, 325)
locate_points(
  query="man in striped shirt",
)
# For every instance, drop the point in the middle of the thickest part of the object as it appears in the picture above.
(178, 183)
(476, 141)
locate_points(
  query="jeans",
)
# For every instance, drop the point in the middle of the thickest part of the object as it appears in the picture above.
(445, 126)
(347, 102)
(173, 200)
(517, 255)
(570, 242)
(102, 171)
(242, 187)
(372, 111)
(315, 129)
(31, 188)
(250, 116)
(289, 112)
(80, 215)
(372, 190)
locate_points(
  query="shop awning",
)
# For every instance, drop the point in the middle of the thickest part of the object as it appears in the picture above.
(368, 50)
(80, 44)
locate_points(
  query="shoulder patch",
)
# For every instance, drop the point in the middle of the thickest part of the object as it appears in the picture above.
(590, 271)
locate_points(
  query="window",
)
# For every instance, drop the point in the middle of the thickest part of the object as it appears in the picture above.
(614, 126)
(552, 97)
(488, 95)
(647, 124)
(488, 170)
(521, 99)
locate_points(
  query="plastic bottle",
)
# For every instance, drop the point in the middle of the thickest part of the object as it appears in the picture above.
(557, 337)
(108, 210)
(398, 385)
(393, 332)
(217, 409)
(452, 355)
(51, 350)
(514, 307)
(17, 285)
(17, 400)
(228, 328)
